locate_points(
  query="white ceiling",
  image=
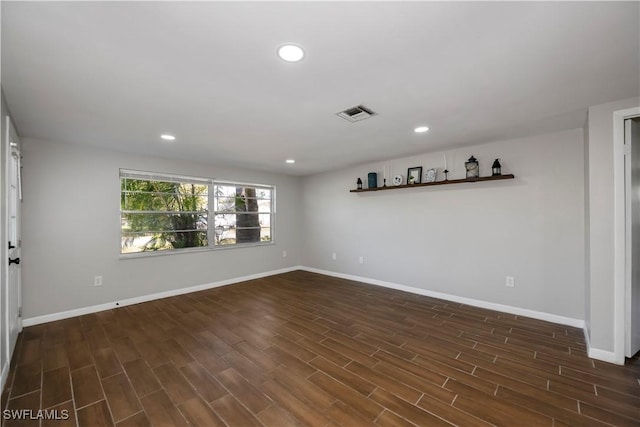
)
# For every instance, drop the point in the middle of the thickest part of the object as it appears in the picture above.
(118, 74)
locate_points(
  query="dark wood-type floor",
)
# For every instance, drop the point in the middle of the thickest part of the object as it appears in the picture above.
(304, 349)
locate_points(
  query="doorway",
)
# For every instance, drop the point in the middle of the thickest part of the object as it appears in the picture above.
(632, 234)
(13, 280)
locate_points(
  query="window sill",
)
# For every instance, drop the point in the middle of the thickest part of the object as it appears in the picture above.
(135, 255)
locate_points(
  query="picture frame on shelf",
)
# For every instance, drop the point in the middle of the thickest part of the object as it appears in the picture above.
(430, 176)
(414, 175)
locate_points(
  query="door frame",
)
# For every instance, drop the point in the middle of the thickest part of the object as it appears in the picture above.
(622, 286)
(10, 134)
(14, 144)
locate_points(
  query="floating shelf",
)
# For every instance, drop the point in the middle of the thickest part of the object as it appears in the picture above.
(428, 184)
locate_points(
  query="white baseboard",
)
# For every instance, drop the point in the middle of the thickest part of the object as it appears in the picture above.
(144, 298)
(603, 355)
(577, 323)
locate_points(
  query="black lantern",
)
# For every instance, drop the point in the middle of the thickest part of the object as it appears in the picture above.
(496, 168)
(359, 184)
(472, 167)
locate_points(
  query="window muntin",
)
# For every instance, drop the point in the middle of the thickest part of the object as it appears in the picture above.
(165, 213)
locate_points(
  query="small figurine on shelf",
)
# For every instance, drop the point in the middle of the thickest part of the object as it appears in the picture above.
(359, 183)
(430, 176)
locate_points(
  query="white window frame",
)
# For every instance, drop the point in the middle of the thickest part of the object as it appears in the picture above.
(272, 213)
(211, 214)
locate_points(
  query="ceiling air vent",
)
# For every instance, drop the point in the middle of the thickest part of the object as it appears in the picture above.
(357, 113)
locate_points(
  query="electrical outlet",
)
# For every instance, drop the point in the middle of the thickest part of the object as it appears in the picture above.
(361, 260)
(97, 280)
(511, 282)
(333, 256)
(284, 254)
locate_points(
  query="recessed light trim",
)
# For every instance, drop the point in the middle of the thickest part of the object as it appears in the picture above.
(168, 137)
(290, 52)
(290, 161)
(421, 129)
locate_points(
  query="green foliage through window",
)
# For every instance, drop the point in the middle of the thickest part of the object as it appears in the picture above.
(164, 212)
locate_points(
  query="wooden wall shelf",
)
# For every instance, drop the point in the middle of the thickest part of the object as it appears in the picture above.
(428, 184)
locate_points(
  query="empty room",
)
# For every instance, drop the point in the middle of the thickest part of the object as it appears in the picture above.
(320, 213)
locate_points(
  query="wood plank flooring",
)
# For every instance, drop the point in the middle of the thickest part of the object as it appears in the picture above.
(302, 349)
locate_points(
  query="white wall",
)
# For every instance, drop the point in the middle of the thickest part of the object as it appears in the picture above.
(601, 222)
(71, 230)
(463, 239)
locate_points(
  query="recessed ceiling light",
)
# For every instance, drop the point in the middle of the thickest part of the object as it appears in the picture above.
(421, 129)
(290, 161)
(167, 137)
(290, 53)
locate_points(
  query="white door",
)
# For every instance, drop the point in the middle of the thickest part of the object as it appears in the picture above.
(14, 199)
(632, 189)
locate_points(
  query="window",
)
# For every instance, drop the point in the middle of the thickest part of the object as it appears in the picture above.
(242, 213)
(160, 212)
(163, 212)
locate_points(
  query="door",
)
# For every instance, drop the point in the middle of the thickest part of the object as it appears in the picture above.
(14, 199)
(632, 190)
